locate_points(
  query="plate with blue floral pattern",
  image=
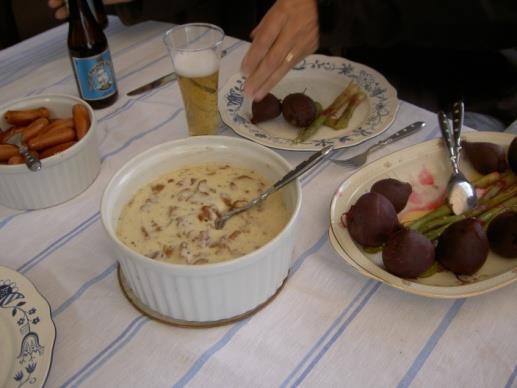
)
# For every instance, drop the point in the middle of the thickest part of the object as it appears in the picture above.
(322, 78)
(27, 332)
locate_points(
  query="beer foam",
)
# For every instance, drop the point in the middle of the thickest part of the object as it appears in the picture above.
(196, 63)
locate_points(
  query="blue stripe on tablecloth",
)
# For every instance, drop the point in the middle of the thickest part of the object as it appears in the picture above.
(327, 333)
(198, 364)
(92, 219)
(430, 344)
(315, 248)
(7, 219)
(208, 353)
(340, 331)
(43, 55)
(40, 53)
(512, 378)
(26, 68)
(141, 134)
(83, 289)
(127, 334)
(65, 238)
(58, 243)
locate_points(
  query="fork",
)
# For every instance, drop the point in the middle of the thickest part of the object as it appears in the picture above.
(360, 159)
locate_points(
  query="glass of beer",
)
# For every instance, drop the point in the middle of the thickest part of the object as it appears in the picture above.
(195, 50)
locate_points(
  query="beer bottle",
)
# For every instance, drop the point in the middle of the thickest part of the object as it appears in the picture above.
(90, 56)
(97, 8)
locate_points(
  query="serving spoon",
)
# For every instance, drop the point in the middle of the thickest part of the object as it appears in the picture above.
(31, 161)
(287, 178)
(461, 194)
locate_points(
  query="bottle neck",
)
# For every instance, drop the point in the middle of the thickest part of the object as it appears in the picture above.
(80, 10)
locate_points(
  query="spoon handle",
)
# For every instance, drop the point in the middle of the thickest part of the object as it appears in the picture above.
(290, 176)
(33, 163)
(449, 141)
(302, 167)
(458, 112)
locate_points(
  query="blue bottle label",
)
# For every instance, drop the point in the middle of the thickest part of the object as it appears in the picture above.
(95, 76)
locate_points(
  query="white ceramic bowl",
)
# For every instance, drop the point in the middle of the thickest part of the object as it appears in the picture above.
(208, 293)
(62, 176)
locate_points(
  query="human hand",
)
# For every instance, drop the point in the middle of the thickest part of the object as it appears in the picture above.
(61, 12)
(288, 32)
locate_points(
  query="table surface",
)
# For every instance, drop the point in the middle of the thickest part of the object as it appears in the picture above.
(329, 326)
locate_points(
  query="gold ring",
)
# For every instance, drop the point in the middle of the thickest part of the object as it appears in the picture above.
(289, 57)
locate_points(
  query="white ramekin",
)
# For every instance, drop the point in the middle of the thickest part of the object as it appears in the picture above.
(62, 176)
(211, 292)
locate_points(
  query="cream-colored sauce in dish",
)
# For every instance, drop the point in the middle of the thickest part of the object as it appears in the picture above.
(173, 218)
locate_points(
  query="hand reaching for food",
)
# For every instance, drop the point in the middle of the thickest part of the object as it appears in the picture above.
(288, 32)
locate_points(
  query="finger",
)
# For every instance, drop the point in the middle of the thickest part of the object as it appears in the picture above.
(61, 13)
(297, 55)
(55, 3)
(274, 59)
(273, 78)
(266, 34)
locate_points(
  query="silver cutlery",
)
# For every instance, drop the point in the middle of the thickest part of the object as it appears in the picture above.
(287, 178)
(461, 194)
(359, 160)
(164, 80)
(154, 84)
(31, 161)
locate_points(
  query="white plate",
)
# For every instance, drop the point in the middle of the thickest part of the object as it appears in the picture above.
(423, 163)
(27, 332)
(341, 252)
(322, 78)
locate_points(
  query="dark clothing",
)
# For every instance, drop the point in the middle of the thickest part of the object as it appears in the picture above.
(8, 29)
(236, 17)
(434, 52)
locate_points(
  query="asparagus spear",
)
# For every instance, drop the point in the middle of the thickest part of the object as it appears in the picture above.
(308, 132)
(336, 105)
(492, 198)
(494, 179)
(344, 119)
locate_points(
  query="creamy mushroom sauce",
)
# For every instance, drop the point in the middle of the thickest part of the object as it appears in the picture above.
(173, 218)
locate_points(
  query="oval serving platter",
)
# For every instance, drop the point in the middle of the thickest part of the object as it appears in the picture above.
(427, 168)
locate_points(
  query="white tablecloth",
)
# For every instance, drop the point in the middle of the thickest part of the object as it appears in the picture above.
(329, 326)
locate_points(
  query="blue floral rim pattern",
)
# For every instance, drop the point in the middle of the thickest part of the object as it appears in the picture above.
(33, 326)
(382, 99)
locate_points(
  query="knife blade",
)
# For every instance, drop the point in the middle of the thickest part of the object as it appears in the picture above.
(154, 84)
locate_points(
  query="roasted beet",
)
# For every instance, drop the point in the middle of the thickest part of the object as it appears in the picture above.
(463, 247)
(512, 155)
(502, 234)
(485, 157)
(266, 109)
(396, 191)
(299, 110)
(371, 220)
(408, 254)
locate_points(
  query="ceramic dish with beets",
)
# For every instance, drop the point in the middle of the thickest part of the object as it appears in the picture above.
(403, 228)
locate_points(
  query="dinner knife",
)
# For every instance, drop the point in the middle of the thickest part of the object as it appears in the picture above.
(164, 80)
(154, 84)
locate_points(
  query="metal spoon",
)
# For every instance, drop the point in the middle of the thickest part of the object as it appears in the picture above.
(461, 194)
(31, 161)
(290, 176)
